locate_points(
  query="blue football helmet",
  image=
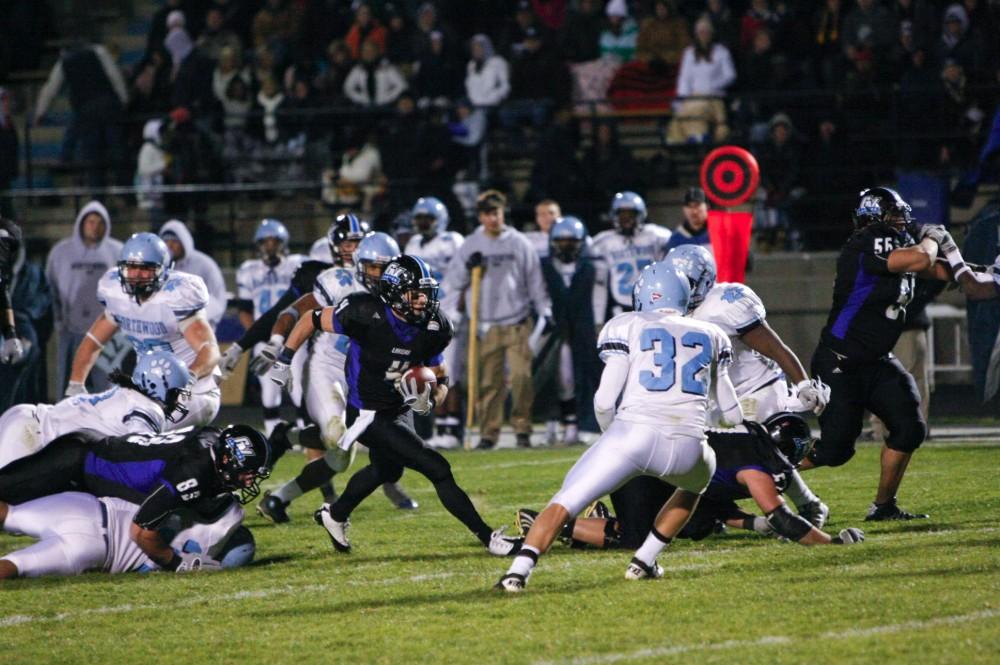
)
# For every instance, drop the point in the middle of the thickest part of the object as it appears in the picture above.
(884, 207)
(429, 208)
(376, 250)
(163, 377)
(346, 227)
(624, 201)
(143, 252)
(698, 265)
(566, 238)
(271, 253)
(661, 287)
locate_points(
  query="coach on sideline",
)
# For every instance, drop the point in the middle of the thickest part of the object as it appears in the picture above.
(512, 284)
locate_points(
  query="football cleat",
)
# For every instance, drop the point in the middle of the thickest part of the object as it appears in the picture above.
(399, 498)
(486, 444)
(336, 530)
(815, 512)
(273, 508)
(511, 583)
(501, 545)
(890, 511)
(571, 436)
(443, 441)
(523, 440)
(637, 570)
(598, 510)
(551, 432)
(525, 518)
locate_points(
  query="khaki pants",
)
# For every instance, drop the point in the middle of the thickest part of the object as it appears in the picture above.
(911, 350)
(694, 118)
(505, 347)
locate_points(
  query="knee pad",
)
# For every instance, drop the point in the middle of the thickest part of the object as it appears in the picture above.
(908, 437)
(826, 454)
(339, 459)
(239, 549)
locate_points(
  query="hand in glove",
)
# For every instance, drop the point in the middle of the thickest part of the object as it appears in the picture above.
(196, 562)
(12, 351)
(267, 356)
(849, 536)
(75, 388)
(420, 402)
(814, 395)
(230, 358)
(935, 232)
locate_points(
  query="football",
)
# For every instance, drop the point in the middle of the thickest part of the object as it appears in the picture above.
(422, 375)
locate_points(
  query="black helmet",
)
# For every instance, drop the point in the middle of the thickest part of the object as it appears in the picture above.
(885, 207)
(242, 449)
(402, 276)
(346, 227)
(791, 435)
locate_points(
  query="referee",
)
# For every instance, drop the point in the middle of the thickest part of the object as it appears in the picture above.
(875, 283)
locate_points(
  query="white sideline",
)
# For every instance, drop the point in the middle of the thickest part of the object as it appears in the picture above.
(767, 640)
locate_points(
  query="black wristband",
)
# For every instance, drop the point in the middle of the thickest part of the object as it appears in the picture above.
(173, 564)
(286, 355)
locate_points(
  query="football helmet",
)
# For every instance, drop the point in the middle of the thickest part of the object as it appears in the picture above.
(377, 249)
(661, 287)
(242, 460)
(346, 227)
(566, 238)
(624, 202)
(271, 253)
(791, 435)
(143, 265)
(403, 277)
(163, 377)
(885, 207)
(428, 211)
(698, 265)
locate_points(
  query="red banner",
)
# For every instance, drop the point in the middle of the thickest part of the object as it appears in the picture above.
(730, 236)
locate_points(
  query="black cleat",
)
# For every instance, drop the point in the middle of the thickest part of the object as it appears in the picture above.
(486, 444)
(890, 511)
(511, 583)
(273, 508)
(523, 440)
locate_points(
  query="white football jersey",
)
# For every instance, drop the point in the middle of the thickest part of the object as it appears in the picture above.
(333, 285)
(115, 412)
(264, 285)
(125, 556)
(155, 323)
(620, 259)
(736, 309)
(673, 361)
(436, 252)
(320, 251)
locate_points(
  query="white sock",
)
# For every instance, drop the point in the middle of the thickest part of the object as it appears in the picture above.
(798, 491)
(652, 547)
(524, 561)
(288, 492)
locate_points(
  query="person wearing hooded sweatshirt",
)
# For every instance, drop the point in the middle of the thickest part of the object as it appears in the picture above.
(74, 267)
(487, 82)
(188, 259)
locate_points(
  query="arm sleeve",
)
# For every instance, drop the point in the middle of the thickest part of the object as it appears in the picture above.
(725, 394)
(727, 72)
(612, 381)
(157, 506)
(49, 90)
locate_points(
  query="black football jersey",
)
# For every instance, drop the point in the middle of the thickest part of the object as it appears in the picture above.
(869, 302)
(384, 346)
(302, 283)
(744, 447)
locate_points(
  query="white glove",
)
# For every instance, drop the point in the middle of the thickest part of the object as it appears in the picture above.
(230, 358)
(761, 526)
(75, 388)
(935, 232)
(849, 536)
(421, 402)
(267, 356)
(948, 247)
(813, 394)
(196, 562)
(12, 351)
(280, 373)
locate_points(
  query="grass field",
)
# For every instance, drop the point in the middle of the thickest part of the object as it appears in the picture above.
(416, 588)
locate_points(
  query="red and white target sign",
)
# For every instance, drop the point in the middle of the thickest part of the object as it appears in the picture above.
(729, 176)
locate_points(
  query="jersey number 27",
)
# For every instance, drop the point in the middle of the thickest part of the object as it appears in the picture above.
(666, 360)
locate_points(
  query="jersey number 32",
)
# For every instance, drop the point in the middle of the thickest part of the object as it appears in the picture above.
(665, 358)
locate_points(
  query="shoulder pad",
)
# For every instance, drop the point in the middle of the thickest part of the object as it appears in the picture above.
(735, 308)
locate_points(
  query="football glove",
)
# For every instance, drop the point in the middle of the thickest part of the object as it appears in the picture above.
(935, 232)
(12, 351)
(75, 388)
(849, 536)
(267, 356)
(280, 373)
(421, 403)
(192, 562)
(813, 394)
(949, 248)
(230, 358)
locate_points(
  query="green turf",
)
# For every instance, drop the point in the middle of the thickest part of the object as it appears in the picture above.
(416, 588)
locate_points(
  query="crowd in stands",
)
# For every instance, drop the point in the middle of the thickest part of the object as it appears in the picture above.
(409, 91)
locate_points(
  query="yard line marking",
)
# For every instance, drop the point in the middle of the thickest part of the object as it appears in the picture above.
(768, 640)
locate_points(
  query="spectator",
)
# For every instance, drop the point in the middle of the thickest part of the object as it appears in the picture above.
(193, 84)
(486, 78)
(693, 229)
(359, 177)
(149, 89)
(400, 38)
(780, 172)
(539, 83)
(606, 168)
(73, 268)
(512, 286)
(468, 129)
(229, 67)
(438, 77)
(551, 14)
(330, 82)
(31, 302)
(525, 21)
(190, 260)
(427, 25)
(619, 38)
(178, 42)
(962, 116)
(870, 26)
(706, 71)
(216, 36)
(267, 122)
(723, 23)
(547, 211)
(758, 17)
(662, 36)
(828, 48)
(275, 26)
(9, 154)
(831, 187)
(581, 36)
(373, 82)
(958, 42)
(920, 15)
(265, 66)
(237, 144)
(365, 27)
(158, 25)
(150, 171)
(757, 76)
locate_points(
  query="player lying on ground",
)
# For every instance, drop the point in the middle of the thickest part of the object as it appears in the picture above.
(753, 460)
(140, 404)
(78, 532)
(665, 368)
(197, 469)
(398, 328)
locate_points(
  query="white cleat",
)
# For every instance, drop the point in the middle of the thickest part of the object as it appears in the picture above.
(501, 545)
(551, 432)
(637, 570)
(443, 441)
(336, 530)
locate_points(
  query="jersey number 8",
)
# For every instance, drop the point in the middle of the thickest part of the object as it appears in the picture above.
(665, 359)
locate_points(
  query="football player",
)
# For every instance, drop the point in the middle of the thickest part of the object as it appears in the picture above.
(260, 283)
(156, 308)
(622, 252)
(141, 404)
(436, 245)
(398, 328)
(196, 469)
(11, 349)
(79, 532)
(661, 368)
(761, 360)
